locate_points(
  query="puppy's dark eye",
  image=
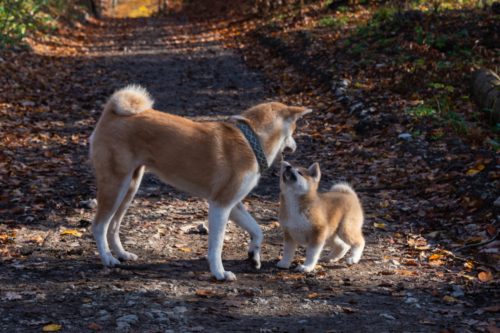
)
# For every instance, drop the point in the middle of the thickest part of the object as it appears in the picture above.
(300, 173)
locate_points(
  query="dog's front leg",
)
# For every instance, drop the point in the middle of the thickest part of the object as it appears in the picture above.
(313, 251)
(242, 217)
(217, 221)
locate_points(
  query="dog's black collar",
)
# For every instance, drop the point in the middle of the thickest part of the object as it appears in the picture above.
(255, 144)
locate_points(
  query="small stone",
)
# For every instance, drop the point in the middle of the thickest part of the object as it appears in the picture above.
(121, 325)
(104, 318)
(386, 316)
(339, 91)
(457, 287)
(128, 319)
(456, 294)
(484, 196)
(202, 229)
(102, 312)
(162, 320)
(406, 136)
(259, 300)
(497, 202)
(180, 309)
(394, 262)
(257, 291)
(345, 82)
(90, 204)
(356, 106)
(392, 266)
(302, 321)
(130, 303)
(305, 306)
(411, 300)
(409, 294)
(149, 315)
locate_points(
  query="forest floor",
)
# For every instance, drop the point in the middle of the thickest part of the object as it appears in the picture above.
(419, 201)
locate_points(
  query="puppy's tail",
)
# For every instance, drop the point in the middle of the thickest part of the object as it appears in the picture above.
(132, 99)
(343, 188)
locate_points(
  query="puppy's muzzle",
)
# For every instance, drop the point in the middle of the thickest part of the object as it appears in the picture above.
(288, 175)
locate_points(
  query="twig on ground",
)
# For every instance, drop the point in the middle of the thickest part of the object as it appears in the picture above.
(479, 244)
(475, 262)
(133, 267)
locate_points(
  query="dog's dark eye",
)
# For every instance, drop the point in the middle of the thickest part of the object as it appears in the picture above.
(300, 173)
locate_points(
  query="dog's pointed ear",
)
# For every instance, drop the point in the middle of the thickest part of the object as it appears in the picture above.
(239, 119)
(297, 112)
(284, 164)
(314, 172)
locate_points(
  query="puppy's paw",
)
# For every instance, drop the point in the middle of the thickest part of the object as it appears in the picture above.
(326, 259)
(109, 260)
(127, 256)
(351, 261)
(306, 269)
(283, 265)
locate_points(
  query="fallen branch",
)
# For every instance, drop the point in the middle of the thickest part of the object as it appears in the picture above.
(475, 262)
(479, 244)
(374, 189)
(133, 267)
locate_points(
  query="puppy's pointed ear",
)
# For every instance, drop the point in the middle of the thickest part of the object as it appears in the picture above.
(284, 164)
(297, 112)
(239, 119)
(314, 172)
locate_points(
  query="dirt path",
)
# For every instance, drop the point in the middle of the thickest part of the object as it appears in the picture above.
(60, 280)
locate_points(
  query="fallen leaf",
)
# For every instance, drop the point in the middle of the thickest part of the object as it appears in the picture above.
(313, 295)
(379, 225)
(205, 293)
(472, 171)
(95, 327)
(185, 250)
(435, 256)
(75, 233)
(449, 299)
(495, 308)
(52, 328)
(485, 276)
(350, 310)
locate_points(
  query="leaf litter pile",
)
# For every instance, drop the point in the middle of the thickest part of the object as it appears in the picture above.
(390, 116)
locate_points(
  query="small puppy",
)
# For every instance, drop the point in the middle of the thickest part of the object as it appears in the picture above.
(315, 219)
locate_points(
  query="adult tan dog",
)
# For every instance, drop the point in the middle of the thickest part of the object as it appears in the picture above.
(315, 219)
(213, 160)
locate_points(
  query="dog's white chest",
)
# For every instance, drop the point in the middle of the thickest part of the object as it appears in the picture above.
(296, 224)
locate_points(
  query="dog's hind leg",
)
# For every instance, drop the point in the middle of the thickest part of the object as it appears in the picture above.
(113, 234)
(217, 221)
(339, 250)
(241, 217)
(112, 189)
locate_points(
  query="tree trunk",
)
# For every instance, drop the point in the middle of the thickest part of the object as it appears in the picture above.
(485, 89)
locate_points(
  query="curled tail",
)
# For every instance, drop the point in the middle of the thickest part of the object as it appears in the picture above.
(132, 99)
(343, 188)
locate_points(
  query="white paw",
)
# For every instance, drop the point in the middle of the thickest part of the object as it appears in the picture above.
(306, 269)
(282, 264)
(225, 276)
(350, 261)
(128, 256)
(109, 260)
(229, 276)
(326, 259)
